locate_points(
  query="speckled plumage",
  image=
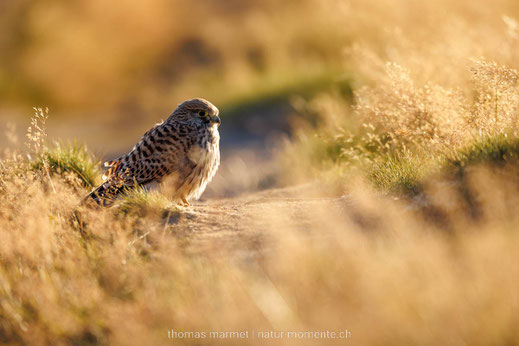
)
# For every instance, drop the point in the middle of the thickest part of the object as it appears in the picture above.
(184, 148)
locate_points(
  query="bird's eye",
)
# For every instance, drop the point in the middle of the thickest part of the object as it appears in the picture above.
(202, 114)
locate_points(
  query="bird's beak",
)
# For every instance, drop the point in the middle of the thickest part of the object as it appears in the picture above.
(216, 120)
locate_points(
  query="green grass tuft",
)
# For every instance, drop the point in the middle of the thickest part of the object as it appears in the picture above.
(143, 202)
(71, 158)
(495, 150)
(396, 173)
(406, 174)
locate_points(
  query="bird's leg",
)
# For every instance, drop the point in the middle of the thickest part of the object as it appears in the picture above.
(184, 200)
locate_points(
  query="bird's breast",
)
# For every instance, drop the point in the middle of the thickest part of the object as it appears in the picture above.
(202, 156)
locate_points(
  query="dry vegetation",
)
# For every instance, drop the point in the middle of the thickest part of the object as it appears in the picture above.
(408, 237)
(436, 84)
(388, 272)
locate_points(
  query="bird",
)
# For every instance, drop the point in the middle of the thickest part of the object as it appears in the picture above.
(183, 148)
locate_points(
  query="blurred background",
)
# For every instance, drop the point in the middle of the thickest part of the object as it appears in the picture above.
(109, 71)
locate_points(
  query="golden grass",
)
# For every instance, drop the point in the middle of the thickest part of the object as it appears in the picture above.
(367, 264)
(434, 85)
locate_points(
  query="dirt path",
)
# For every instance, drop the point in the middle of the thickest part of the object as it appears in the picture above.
(242, 224)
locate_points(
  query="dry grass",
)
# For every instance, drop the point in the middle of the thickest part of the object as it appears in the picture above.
(71, 274)
(423, 93)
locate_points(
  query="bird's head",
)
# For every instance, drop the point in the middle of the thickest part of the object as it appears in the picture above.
(198, 110)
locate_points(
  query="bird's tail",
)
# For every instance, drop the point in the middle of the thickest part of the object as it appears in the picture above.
(106, 194)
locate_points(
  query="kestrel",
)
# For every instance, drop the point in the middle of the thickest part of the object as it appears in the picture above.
(184, 148)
